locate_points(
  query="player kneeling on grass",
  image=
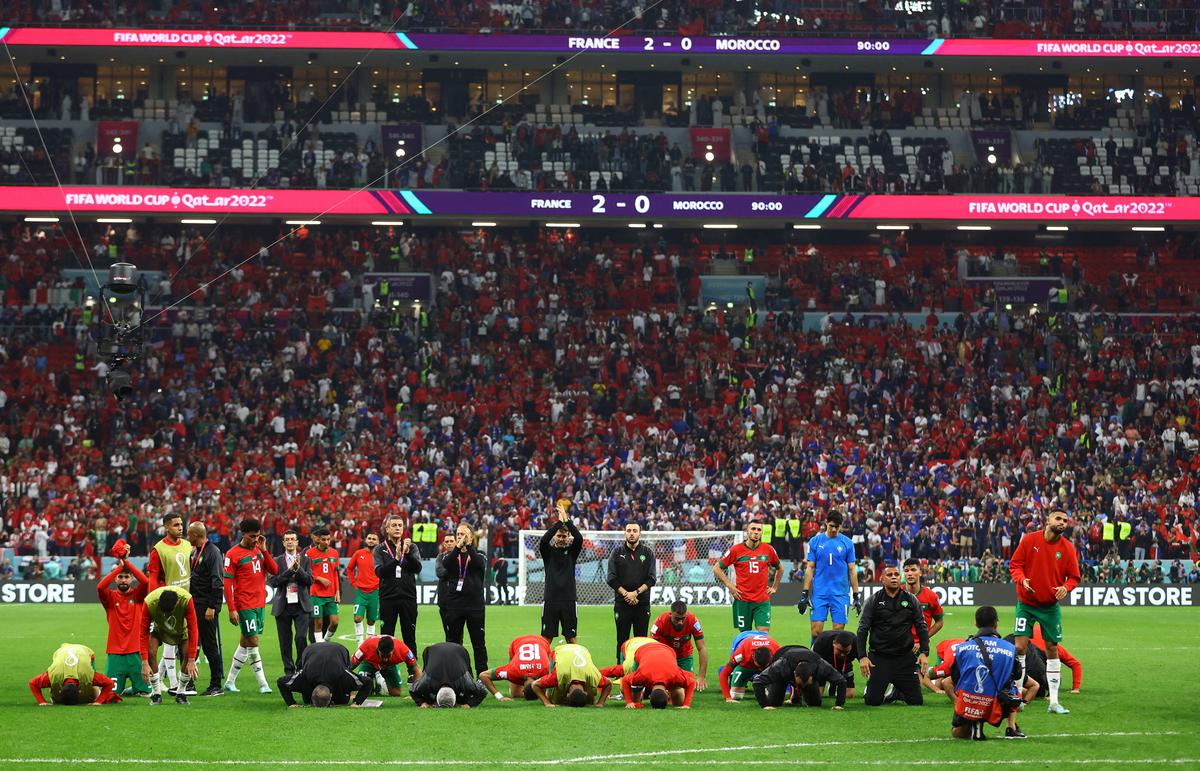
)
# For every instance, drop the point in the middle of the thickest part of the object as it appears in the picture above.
(751, 654)
(72, 679)
(805, 672)
(677, 629)
(380, 656)
(656, 671)
(168, 617)
(324, 678)
(446, 679)
(575, 680)
(529, 657)
(986, 680)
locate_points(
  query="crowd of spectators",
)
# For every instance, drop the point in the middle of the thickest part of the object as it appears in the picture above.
(935, 18)
(556, 366)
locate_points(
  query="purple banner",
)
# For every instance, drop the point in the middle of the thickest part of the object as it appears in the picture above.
(569, 207)
(405, 287)
(662, 44)
(401, 140)
(1020, 290)
(993, 147)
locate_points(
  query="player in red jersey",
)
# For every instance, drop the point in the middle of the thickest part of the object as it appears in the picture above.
(677, 629)
(380, 656)
(752, 589)
(246, 568)
(325, 562)
(656, 673)
(753, 654)
(122, 606)
(931, 608)
(937, 679)
(361, 572)
(1045, 569)
(529, 658)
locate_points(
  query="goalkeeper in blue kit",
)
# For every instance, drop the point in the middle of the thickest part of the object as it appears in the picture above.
(830, 573)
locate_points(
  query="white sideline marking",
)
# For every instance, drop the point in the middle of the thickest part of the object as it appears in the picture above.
(809, 745)
(640, 758)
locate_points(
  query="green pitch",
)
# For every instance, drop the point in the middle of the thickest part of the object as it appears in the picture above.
(1139, 706)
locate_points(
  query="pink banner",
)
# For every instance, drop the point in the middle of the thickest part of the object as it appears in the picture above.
(968, 208)
(174, 38)
(1178, 49)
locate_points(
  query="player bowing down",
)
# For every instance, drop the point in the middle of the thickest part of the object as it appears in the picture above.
(658, 676)
(529, 658)
(575, 680)
(802, 670)
(751, 654)
(381, 656)
(72, 679)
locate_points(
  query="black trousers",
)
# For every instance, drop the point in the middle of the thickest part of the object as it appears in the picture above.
(292, 625)
(210, 643)
(405, 611)
(453, 620)
(631, 618)
(900, 671)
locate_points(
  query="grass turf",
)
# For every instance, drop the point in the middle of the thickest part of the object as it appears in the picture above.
(1139, 706)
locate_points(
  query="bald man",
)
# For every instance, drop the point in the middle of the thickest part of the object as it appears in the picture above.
(207, 588)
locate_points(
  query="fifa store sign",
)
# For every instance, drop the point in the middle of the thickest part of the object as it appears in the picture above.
(1090, 595)
(959, 595)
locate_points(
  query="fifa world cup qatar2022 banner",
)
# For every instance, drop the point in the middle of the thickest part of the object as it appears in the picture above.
(593, 206)
(958, 595)
(618, 42)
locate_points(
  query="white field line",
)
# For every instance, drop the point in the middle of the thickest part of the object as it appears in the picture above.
(631, 758)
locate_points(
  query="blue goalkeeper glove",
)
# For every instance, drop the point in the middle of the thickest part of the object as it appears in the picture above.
(802, 606)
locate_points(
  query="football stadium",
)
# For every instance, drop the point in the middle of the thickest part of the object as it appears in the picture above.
(822, 374)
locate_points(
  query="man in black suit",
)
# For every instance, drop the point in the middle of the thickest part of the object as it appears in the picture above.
(207, 588)
(325, 678)
(292, 606)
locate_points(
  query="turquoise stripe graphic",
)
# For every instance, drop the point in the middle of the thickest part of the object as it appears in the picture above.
(932, 48)
(417, 205)
(406, 41)
(4, 31)
(822, 205)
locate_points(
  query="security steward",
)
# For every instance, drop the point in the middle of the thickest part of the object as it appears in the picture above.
(631, 574)
(885, 631)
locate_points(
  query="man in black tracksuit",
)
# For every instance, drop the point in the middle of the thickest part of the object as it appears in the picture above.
(631, 574)
(447, 665)
(327, 664)
(840, 650)
(207, 588)
(397, 564)
(805, 671)
(560, 548)
(885, 630)
(460, 593)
